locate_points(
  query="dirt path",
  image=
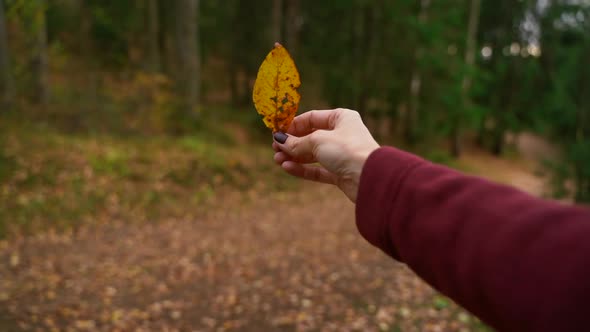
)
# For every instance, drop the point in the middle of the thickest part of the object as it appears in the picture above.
(520, 174)
(518, 171)
(288, 262)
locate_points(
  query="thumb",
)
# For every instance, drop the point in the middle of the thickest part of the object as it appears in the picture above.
(296, 147)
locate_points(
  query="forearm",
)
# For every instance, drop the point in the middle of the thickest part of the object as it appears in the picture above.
(513, 260)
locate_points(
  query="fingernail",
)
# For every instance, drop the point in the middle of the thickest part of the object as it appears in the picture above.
(280, 137)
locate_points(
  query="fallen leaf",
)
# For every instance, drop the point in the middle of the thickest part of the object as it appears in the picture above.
(175, 314)
(463, 317)
(275, 90)
(440, 302)
(14, 260)
(86, 325)
(116, 315)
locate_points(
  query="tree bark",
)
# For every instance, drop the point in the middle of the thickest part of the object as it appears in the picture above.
(238, 71)
(415, 83)
(88, 50)
(358, 52)
(277, 22)
(5, 77)
(498, 141)
(187, 44)
(40, 57)
(368, 69)
(234, 66)
(292, 25)
(470, 50)
(153, 27)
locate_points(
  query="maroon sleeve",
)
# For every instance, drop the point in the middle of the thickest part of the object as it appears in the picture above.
(518, 262)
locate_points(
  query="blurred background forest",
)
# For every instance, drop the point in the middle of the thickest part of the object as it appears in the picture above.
(127, 133)
(440, 75)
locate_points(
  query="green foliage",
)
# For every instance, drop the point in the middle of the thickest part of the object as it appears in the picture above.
(439, 157)
(113, 162)
(63, 180)
(579, 155)
(8, 165)
(402, 60)
(565, 110)
(440, 302)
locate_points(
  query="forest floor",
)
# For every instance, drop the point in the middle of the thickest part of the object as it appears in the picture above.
(279, 257)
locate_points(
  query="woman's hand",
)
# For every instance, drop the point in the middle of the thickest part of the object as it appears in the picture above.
(336, 139)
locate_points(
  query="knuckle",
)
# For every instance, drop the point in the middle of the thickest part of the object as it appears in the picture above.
(294, 146)
(315, 140)
(317, 137)
(345, 113)
(344, 110)
(311, 118)
(333, 118)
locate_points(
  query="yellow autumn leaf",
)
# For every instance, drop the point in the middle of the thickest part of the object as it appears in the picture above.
(275, 90)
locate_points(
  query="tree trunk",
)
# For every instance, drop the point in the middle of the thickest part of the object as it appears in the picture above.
(88, 50)
(167, 38)
(470, 50)
(187, 44)
(292, 25)
(456, 146)
(582, 178)
(153, 38)
(367, 76)
(233, 83)
(415, 83)
(277, 22)
(5, 77)
(497, 147)
(234, 66)
(480, 139)
(358, 52)
(582, 190)
(40, 58)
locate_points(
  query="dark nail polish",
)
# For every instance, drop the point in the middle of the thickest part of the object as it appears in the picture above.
(280, 137)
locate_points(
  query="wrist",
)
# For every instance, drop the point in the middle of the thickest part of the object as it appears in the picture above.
(351, 180)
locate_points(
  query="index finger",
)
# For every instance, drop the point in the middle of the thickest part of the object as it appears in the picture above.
(308, 122)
